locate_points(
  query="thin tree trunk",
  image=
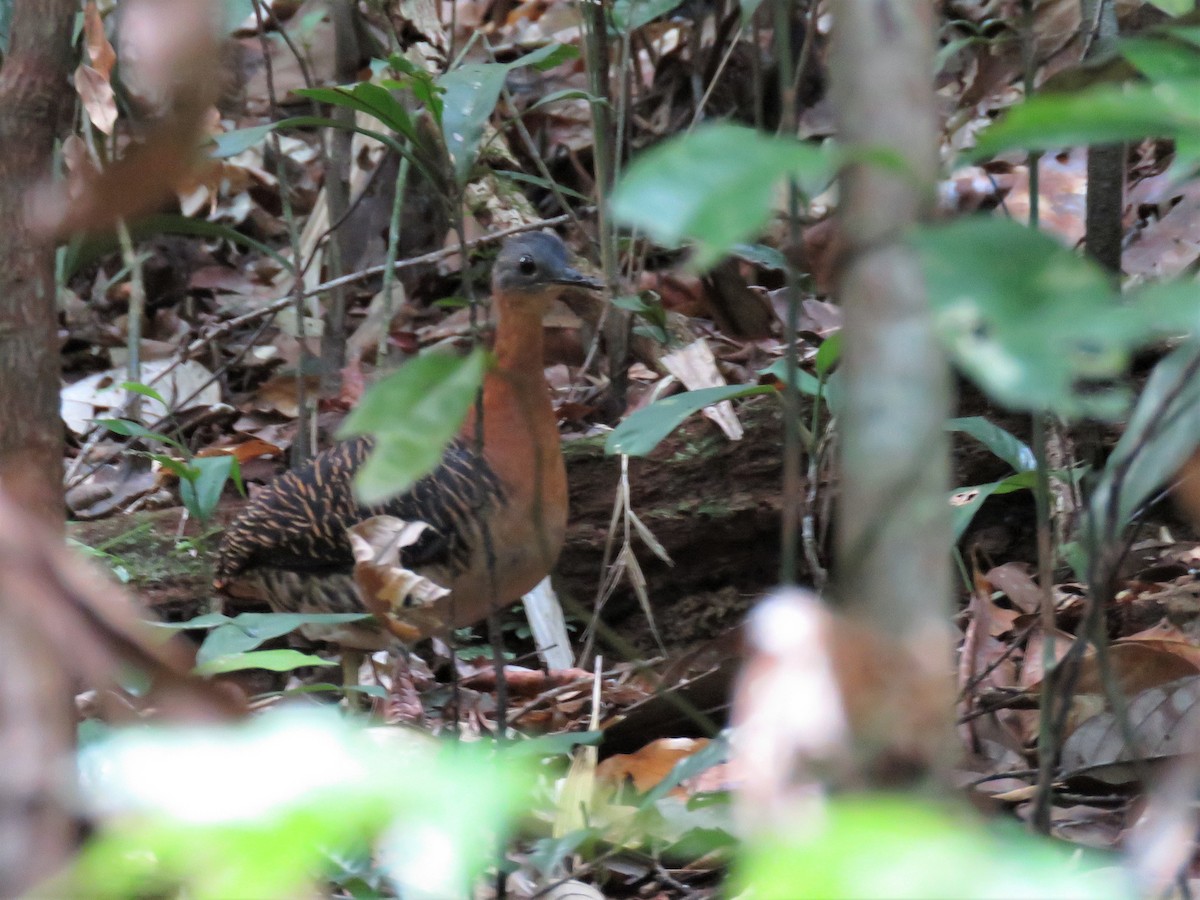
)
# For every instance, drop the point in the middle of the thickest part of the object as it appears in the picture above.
(36, 711)
(893, 542)
(34, 85)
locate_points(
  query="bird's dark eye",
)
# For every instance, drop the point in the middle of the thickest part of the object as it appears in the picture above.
(526, 265)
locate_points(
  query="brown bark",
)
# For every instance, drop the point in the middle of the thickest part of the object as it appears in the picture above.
(34, 85)
(36, 712)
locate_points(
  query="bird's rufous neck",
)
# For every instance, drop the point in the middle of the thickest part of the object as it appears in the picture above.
(519, 339)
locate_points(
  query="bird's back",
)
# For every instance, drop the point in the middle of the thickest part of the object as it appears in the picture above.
(298, 522)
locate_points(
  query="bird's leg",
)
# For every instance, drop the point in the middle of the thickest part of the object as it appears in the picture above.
(351, 663)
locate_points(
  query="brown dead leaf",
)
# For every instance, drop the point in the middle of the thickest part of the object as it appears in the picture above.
(96, 94)
(169, 52)
(244, 451)
(1163, 720)
(650, 765)
(100, 51)
(399, 597)
(1015, 580)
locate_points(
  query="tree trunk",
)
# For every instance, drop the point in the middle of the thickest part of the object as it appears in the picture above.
(37, 721)
(893, 540)
(34, 85)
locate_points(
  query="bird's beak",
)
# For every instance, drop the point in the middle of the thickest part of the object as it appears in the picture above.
(569, 277)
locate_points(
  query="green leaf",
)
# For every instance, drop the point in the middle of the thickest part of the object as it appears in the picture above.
(145, 390)
(231, 143)
(248, 631)
(181, 469)
(129, 428)
(806, 382)
(894, 845)
(966, 501)
(470, 95)
(1035, 325)
(1162, 433)
(272, 660)
(761, 255)
(1105, 114)
(372, 99)
(1162, 59)
(1007, 447)
(1174, 7)
(202, 493)
(715, 187)
(716, 751)
(644, 430)
(422, 83)
(828, 354)
(629, 15)
(413, 414)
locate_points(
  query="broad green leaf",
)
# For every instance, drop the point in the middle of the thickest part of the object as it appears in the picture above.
(566, 94)
(1162, 433)
(365, 97)
(828, 354)
(1003, 444)
(1105, 114)
(412, 414)
(231, 143)
(641, 432)
(629, 15)
(715, 187)
(421, 82)
(966, 501)
(1174, 7)
(177, 466)
(1161, 58)
(471, 92)
(761, 255)
(268, 807)
(321, 122)
(1034, 324)
(272, 660)
(248, 631)
(894, 845)
(201, 493)
(806, 382)
(235, 12)
(270, 624)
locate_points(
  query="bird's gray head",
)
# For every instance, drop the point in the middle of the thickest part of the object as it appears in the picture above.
(536, 263)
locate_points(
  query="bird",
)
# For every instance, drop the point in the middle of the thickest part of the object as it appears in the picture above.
(495, 505)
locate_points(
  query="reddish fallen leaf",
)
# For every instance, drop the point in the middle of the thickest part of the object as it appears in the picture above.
(650, 765)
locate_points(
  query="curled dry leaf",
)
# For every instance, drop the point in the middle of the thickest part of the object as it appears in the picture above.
(649, 765)
(696, 367)
(92, 81)
(401, 598)
(184, 386)
(1163, 720)
(168, 52)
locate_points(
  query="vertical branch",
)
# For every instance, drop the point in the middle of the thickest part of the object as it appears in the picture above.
(792, 498)
(617, 323)
(1105, 164)
(33, 92)
(301, 449)
(893, 562)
